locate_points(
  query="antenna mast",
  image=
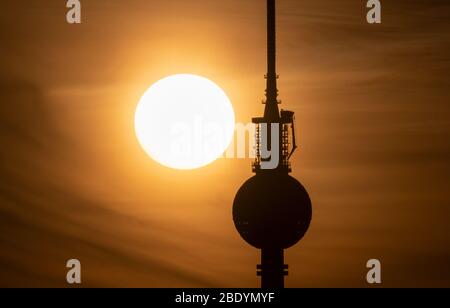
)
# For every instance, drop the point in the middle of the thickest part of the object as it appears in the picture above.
(271, 111)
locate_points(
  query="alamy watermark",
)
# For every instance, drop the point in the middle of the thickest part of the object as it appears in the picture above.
(374, 274)
(73, 16)
(197, 138)
(374, 14)
(74, 274)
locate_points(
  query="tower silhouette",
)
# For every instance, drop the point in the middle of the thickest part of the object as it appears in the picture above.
(272, 210)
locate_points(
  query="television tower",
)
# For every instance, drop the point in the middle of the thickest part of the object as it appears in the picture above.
(272, 210)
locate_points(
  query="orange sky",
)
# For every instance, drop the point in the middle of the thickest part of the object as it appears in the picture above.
(372, 116)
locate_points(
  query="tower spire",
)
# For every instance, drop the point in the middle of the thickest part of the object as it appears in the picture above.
(271, 111)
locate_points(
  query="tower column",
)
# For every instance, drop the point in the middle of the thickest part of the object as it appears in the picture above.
(272, 268)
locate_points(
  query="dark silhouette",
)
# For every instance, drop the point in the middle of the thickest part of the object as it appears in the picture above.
(272, 210)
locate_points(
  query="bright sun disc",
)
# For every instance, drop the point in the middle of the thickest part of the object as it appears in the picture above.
(184, 121)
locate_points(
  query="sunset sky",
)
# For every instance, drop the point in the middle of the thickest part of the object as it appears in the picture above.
(373, 123)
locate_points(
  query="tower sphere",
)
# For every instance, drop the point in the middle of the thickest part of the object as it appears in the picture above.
(272, 211)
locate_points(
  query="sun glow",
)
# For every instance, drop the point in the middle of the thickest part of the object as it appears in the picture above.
(184, 122)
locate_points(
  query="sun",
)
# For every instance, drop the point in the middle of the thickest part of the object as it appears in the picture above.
(184, 122)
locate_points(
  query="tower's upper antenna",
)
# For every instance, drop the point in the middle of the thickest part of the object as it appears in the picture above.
(271, 111)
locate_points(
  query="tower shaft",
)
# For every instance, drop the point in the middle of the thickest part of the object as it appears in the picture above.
(272, 265)
(272, 268)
